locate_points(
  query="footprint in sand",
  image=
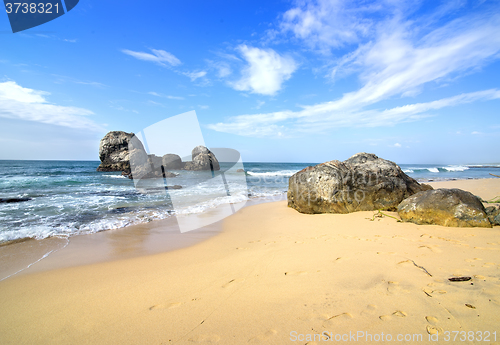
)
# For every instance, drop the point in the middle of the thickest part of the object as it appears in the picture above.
(486, 248)
(232, 282)
(489, 264)
(264, 337)
(432, 320)
(295, 273)
(434, 330)
(473, 260)
(205, 338)
(165, 306)
(394, 288)
(397, 313)
(432, 248)
(333, 321)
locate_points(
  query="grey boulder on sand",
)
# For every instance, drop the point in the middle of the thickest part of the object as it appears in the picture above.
(493, 213)
(447, 207)
(363, 182)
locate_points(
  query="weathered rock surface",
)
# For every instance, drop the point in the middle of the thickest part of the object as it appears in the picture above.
(114, 151)
(493, 213)
(363, 182)
(203, 159)
(172, 162)
(447, 207)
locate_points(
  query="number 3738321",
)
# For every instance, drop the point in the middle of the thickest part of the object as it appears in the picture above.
(31, 7)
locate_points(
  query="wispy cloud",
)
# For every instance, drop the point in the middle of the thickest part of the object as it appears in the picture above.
(165, 96)
(63, 79)
(398, 61)
(17, 102)
(195, 75)
(326, 24)
(158, 56)
(265, 71)
(339, 114)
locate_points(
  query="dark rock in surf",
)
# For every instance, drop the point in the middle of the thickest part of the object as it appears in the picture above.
(12, 200)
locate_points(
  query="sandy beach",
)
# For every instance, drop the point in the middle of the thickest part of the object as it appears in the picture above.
(273, 275)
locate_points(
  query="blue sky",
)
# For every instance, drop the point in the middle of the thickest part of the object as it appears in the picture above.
(280, 81)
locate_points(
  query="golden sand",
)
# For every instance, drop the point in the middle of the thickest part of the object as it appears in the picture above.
(274, 276)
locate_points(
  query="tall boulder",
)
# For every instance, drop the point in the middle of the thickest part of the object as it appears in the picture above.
(203, 159)
(447, 207)
(363, 182)
(114, 151)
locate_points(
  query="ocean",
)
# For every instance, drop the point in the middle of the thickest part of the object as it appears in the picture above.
(70, 198)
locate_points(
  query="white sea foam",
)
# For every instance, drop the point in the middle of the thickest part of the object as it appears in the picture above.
(273, 173)
(408, 171)
(433, 170)
(115, 176)
(456, 168)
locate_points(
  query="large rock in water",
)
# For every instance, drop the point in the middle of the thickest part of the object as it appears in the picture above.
(363, 182)
(114, 151)
(447, 207)
(172, 161)
(203, 159)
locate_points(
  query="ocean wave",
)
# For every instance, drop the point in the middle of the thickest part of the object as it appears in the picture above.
(287, 173)
(456, 168)
(115, 176)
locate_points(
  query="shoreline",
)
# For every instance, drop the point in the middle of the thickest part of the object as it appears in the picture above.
(24, 256)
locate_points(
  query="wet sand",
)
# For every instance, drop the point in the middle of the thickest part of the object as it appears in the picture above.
(273, 276)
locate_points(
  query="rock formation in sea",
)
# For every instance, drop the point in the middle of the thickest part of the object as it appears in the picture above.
(114, 151)
(202, 159)
(363, 182)
(447, 207)
(121, 151)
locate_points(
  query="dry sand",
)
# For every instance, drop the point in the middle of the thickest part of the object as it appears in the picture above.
(274, 276)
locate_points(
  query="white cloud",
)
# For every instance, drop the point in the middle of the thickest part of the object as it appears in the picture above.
(397, 62)
(223, 69)
(165, 96)
(397, 145)
(204, 107)
(324, 24)
(158, 56)
(259, 104)
(266, 70)
(17, 102)
(195, 75)
(340, 114)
